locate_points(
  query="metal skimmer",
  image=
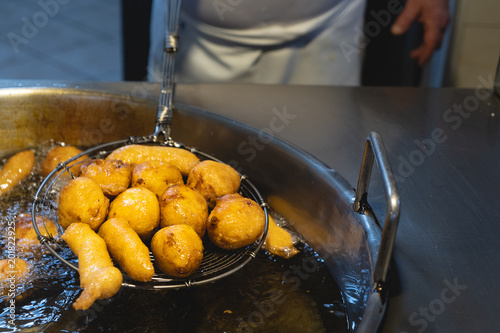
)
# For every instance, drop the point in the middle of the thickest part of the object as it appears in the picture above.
(217, 263)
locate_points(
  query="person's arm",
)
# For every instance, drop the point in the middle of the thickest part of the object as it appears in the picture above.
(433, 14)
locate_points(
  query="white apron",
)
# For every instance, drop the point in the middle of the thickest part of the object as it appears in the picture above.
(270, 42)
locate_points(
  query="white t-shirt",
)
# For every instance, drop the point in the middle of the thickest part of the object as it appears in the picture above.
(263, 41)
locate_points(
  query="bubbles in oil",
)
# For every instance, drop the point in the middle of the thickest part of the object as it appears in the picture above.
(270, 294)
(38, 300)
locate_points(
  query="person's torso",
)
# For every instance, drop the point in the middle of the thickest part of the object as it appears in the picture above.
(244, 14)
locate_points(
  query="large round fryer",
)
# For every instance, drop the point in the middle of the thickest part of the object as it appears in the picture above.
(314, 198)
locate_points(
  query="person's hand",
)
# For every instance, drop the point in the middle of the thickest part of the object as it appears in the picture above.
(433, 14)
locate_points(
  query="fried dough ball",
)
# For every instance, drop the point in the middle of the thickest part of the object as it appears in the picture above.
(20, 267)
(82, 200)
(113, 176)
(279, 241)
(13, 272)
(61, 154)
(213, 179)
(26, 236)
(16, 169)
(235, 222)
(98, 277)
(140, 208)
(137, 154)
(156, 176)
(127, 249)
(180, 204)
(178, 250)
(17, 265)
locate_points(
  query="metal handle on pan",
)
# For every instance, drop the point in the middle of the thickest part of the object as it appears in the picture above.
(375, 149)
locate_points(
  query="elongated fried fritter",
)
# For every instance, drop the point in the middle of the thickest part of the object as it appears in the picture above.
(279, 241)
(127, 249)
(137, 154)
(98, 277)
(16, 169)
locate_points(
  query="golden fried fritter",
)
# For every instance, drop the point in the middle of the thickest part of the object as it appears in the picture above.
(279, 241)
(16, 169)
(127, 249)
(235, 222)
(178, 250)
(156, 176)
(26, 236)
(140, 208)
(137, 154)
(15, 276)
(82, 200)
(61, 154)
(213, 179)
(180, 204)
(98, 277)
(13, 272)
(113, 176)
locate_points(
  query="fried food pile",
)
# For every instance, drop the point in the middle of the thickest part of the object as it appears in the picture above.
(149, 207)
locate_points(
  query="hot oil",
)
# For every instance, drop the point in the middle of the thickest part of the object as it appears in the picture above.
(52, 286)
(270, 294)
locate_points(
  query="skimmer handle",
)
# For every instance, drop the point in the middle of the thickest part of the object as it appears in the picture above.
(166, 104)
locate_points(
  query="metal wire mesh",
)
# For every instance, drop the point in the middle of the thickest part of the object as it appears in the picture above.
(216, 264)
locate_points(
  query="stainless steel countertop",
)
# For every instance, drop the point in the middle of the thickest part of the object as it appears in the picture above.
(444, 276)
(444, 147)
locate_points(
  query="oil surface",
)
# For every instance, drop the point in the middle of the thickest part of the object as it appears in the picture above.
(270, 294)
